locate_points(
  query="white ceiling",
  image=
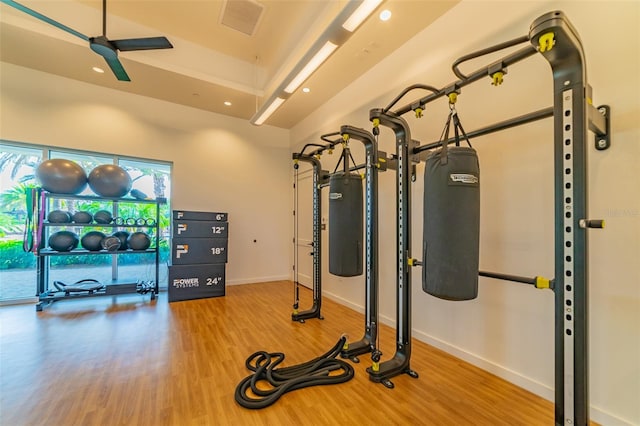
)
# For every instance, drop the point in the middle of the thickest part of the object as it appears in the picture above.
(210, 62)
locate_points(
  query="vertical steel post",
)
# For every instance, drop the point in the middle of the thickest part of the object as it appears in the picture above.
(559, 43)
(364, 345)
(400, 362)
(314, 312)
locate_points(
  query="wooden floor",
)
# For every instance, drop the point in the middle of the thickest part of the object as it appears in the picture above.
(138, 362)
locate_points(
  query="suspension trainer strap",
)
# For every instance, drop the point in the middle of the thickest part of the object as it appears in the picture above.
(28, 234)
(42, 202)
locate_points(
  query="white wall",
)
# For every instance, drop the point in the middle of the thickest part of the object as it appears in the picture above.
(219, 163)
(508, 329)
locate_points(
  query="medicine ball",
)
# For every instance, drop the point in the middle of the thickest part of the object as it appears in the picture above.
(59, 216)
(110, 243)
(139, 241)
(109, 180)
(103, 216)
(82, 217)
(63, 241)
(61, 176)
(122, 236)
(92, 240)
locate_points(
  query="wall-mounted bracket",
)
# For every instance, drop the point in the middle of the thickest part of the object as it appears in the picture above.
(600, 124)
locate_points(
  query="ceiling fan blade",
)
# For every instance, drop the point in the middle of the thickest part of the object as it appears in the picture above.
(147, 43)
(43, 18)
(117, 68)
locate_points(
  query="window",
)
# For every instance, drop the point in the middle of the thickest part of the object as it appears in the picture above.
(17, 173)
(18, 163)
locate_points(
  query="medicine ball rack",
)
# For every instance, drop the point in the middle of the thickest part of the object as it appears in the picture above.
(47, 296)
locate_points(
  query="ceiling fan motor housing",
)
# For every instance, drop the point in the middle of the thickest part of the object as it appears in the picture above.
(103, 47)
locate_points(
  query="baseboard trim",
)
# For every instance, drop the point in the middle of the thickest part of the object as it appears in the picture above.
(596, 414)
(240, 281)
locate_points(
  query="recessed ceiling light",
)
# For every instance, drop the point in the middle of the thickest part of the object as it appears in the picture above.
(97, 69)
(385, 15)
(227, 103)
(306, 89)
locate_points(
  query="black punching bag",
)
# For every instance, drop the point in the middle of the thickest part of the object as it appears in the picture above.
(345, 224)
(451, 236)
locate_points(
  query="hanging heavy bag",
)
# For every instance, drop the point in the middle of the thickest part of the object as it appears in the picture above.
(345, 224)
(451, 233)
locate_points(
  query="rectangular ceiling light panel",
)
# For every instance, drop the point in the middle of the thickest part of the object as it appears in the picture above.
(270, 110)
(311, 66)
(242, 15)
(360, 14)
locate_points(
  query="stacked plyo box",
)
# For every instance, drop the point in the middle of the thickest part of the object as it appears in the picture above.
(198, 255)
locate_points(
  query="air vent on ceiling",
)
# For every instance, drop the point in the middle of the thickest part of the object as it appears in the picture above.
(241, 15)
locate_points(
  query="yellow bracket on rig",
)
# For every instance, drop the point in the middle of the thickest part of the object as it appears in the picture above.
(453, 97)
(375, 366)
(345, 137)
(376, 122)
(295, 312)
(411, 261)
(542, 282)
(330, 151)
(498, 78)
(546, 42)
(418, 112)
(295, 161)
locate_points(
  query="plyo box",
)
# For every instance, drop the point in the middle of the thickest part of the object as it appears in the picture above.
(189, 251)
(200, 229)
(209, 216)
(187, 282)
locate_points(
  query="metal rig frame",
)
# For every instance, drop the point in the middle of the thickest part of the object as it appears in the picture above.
(556, 39)
(372, 165)
(319, 176)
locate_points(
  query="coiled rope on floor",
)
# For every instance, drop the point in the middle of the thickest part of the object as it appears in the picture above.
(323, 370)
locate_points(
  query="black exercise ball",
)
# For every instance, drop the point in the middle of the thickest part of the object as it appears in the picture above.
(63, 241)
(109, 180)
(82, 217)
(139, 241)
(59, 216)
(110, 243)
(92, 240)
(103, 216)
(122, 235)
(61, 176)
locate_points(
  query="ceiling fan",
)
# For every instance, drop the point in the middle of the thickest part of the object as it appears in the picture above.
(104, 47)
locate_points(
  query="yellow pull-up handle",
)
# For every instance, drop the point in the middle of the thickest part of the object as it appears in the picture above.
(498, 78)
(546, 42)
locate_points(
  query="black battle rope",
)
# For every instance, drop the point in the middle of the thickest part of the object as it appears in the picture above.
(269, 383)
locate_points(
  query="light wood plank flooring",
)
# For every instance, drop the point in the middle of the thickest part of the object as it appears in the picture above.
(89, 362)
